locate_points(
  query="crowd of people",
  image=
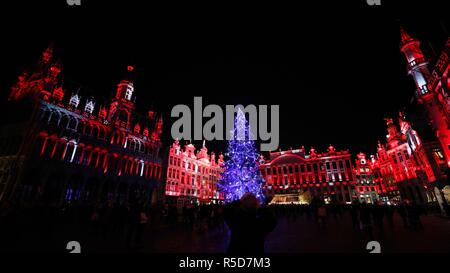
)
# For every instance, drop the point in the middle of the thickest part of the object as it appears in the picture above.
(25, 222)
(365, 218)
(192, 217)
(246, 219)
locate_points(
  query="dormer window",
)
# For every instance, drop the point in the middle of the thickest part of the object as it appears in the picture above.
(89, 108)
(74, 101)
(129, 92)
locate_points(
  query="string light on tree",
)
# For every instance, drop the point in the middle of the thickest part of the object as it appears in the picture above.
(241, 169)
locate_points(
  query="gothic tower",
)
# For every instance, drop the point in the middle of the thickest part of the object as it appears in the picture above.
(426, 92)
(122, 104)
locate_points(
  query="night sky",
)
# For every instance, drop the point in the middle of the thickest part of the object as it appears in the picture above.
(334, 68)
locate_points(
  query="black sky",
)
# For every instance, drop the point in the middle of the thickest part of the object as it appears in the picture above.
(334, 68)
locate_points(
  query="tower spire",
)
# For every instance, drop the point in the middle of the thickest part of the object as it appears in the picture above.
(122, 104)
(426, 92)
(405, 38)
(417, 63)
(125, 88)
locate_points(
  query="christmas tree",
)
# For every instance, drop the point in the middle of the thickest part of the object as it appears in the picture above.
(241, 168)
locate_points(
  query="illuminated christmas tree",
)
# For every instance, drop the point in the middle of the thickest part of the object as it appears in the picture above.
(241, 168)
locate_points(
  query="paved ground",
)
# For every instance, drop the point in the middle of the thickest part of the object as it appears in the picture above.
(290, 236)
(303, 235)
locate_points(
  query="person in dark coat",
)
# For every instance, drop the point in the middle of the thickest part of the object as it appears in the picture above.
(390, 215)
(413, 212)
(378, 216)
(366, 220)
(403, 213)
(354, 212)
(249, 224)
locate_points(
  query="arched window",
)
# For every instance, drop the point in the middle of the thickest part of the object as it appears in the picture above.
(95, 131)
(94, 158)
(86, 156)
(102, 133)
(69, 152)
(48, 148)
(112, 164)
(73, 124)
(64, 124)
(37, 147)
(132, 145)
(88, 129)
(138, 146)
(54, 119)
(81, 127)
(60, 150)
(123, 116)
(46, 116)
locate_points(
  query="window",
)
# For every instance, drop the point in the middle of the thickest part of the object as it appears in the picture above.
(438, 153)
(128, 92)
(424, 89)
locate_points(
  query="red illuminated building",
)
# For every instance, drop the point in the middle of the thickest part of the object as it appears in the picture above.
(403, 166)
(57, 146)
(367, 187)
(191, 176)
(408, 168)
(327, 175)
(432, 87)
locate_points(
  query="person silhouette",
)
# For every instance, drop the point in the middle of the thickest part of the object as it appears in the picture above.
(249, 223)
